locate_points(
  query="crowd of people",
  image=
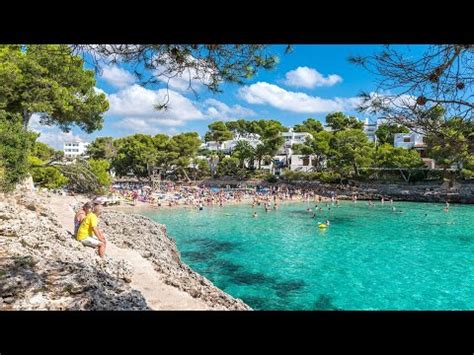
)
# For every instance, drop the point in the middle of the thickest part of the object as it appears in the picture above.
(200, 196)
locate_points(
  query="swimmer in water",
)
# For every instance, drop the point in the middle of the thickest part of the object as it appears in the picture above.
(446, 209)
(254, 215)
(327, 222)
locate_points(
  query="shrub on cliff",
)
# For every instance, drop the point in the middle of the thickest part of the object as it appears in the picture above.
(15, 143)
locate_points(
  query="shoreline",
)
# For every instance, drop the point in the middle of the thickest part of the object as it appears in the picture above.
(142, 270)
(141, 206)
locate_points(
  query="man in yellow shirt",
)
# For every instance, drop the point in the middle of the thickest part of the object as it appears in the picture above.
(89, 234)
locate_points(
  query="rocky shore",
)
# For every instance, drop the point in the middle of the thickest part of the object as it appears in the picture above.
(43, 267)
(152, 242)
(422, 192)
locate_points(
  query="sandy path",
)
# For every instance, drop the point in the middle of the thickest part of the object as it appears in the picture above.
(158, 295)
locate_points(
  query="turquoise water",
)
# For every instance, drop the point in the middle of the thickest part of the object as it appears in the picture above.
(368, 259)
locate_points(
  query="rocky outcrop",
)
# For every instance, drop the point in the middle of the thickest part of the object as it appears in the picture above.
(152, 242)
(417, 192)
(43, 267)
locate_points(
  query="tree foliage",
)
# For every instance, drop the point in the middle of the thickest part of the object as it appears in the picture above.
(385, 133)
(218, 132)
(15, 144)
(135, 154)
(100, 168)
(350, 150)
(49, 177)
(452, 144)
(48, 80)
(102, 148)
(244, 152)
(339, 121)
(230, 166)
(199, 64)
(439, 76)
(387, 156)
(310, 125)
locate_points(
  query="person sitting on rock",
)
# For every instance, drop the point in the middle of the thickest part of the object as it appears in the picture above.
(80, 215)
(89, 233)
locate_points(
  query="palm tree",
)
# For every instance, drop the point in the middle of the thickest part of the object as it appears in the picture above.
(244, 151)
(260, 152)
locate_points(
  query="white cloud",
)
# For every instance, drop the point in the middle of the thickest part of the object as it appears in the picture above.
(147, 126)
(135, 109)
(137, 101)
(117, 77)
(219, 110)
(52, 135)
(99, 91)
(310, 78)
(273, 95)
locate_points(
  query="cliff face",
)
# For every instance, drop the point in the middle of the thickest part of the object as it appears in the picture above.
(43, 267)
(152, 242)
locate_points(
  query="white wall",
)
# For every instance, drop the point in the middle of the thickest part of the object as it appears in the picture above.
(74, 149)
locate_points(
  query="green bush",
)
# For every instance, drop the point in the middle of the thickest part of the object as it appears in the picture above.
(270, 178)
(230, 166)
(15, 145)
(100, 168)
(49, 177)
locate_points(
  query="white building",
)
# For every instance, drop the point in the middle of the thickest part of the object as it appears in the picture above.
(369, 128)
(295, 137)
(303, 163)
(408, 140)
(74, 149)
(228, 146)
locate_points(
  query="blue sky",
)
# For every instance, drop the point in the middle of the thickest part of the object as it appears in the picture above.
(312, 81)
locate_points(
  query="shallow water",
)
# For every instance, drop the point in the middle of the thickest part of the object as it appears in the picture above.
(368, 258)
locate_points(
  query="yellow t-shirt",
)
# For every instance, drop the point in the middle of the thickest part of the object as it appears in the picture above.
(86, 228)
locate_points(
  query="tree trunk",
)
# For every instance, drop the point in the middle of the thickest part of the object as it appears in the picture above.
(185, 174)
(26, 119)
(452, 178)
(356, 170)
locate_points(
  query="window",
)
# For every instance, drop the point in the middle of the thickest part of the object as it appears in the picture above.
(406, 139)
